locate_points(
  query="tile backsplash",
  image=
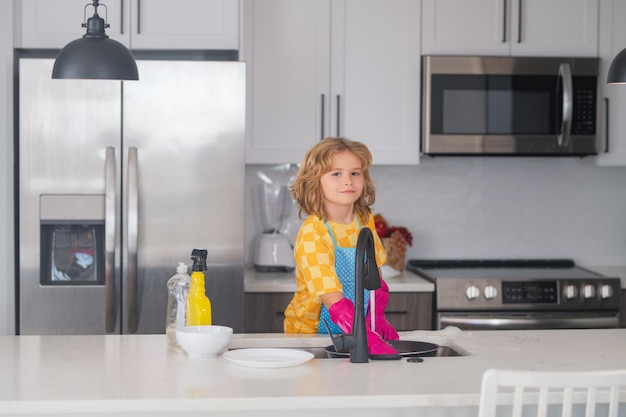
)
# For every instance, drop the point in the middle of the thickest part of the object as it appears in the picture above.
(495, 208)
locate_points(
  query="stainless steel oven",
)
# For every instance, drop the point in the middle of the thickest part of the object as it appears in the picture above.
(510, 106)
(520, 294)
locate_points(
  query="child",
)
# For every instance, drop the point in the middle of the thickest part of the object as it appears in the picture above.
(334, 189)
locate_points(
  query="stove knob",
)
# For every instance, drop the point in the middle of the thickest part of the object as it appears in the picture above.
(472, 292)
(490, 292)
(606, 291)
(589, 291)
(570, 292)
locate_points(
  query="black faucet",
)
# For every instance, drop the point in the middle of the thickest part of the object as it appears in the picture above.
(366, 276)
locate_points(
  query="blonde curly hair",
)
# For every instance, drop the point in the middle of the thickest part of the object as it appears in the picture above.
(307, 190)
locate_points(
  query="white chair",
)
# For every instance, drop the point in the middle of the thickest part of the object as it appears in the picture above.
(533, 391)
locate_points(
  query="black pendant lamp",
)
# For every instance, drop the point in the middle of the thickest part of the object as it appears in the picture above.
(617, 70)
(95, 55)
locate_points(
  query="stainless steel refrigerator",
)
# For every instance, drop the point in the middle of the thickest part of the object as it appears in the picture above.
(118, 182)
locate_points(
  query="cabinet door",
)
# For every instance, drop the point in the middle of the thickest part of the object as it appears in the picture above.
(477, 27)
(287, 47)
(139, 24)
(510, 27)
(375, 78)
(263, 312)
(554, 27)
(613, 124)
(54, 24)
(410, 311)
(362, 82)
(185, 24)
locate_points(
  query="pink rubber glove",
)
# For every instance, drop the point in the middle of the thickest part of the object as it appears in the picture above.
(342, 314)
(383, 327)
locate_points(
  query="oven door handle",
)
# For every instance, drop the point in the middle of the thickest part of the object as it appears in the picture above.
(528, 323)
(565, 74)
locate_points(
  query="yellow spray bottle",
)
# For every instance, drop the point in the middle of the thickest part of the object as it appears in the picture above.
(198, 304)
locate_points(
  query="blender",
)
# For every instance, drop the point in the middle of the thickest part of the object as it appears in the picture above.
(274, 252)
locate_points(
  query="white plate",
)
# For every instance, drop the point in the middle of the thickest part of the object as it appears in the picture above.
(268, 358)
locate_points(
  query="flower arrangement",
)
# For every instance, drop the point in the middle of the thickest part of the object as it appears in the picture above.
(395, 239)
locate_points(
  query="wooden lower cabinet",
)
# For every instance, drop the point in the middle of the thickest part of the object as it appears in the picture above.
(406, 311)
(263, 311)
(410, 310)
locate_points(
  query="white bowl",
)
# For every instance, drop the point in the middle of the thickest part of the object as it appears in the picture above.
(203, 341)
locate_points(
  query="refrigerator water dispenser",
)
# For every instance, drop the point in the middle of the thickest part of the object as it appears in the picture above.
(72, 239)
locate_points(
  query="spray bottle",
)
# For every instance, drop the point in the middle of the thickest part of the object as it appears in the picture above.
(198, 304)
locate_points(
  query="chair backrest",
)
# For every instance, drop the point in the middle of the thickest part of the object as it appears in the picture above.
(533, 391)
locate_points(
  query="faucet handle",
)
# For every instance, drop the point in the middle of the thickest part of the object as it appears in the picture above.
(372, 277)
(371, 273)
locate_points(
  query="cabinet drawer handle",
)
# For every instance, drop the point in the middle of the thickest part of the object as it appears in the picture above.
(396, 312)
(338, 115)
(138, 17)
(504, 2)
(322, 132)
(519, 21)
(121, 17)
(606, 127)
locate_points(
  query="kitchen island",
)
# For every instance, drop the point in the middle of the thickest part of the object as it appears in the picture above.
(139, 375)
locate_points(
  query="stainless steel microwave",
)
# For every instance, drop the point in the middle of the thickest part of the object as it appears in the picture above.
(510, 106)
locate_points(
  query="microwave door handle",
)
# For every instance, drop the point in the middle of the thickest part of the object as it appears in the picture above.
(133, 227)
(109, 240)
(565, 74)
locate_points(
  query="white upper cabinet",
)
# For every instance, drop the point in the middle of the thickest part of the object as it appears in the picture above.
(139, 24)
(185, 24)
(613, 125)
(53, 24)
(319, 68)
(375, 82)
(287, 47)
(510, 27)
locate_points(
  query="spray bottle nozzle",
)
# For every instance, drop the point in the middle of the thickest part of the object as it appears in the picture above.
(198, 256)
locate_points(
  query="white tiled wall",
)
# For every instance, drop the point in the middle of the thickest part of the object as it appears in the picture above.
(498, 208)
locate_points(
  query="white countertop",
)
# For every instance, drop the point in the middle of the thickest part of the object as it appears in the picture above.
(132, 374)
(405, 281)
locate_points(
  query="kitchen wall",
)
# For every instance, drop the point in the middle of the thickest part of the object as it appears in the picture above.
(498, 208)
(7, 289)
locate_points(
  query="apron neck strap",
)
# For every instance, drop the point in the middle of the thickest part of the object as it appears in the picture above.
(330, 229)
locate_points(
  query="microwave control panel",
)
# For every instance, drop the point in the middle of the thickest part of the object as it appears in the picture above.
(584, 106)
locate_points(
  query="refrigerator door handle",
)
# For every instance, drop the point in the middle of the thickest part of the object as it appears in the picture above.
(109, 240)
(133, 228)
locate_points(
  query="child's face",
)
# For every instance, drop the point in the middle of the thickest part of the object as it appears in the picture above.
(343, 184)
